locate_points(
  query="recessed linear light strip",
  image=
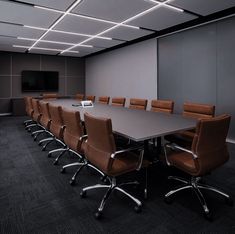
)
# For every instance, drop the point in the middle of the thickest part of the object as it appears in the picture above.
(66, 32)
(53, 42)
(42, 48)
(56, 22)
(166, 5)
(116, 26)
(86, 17)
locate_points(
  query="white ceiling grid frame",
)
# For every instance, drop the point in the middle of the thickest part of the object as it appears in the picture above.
(56, 22)
(159, 4)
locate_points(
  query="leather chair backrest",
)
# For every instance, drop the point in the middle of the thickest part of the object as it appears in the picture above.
(28, 106)
(36, 111)
(73, 130)
(136, 103)
(57, 122)
(79, 97)
(165, 106)
(100, 143)
(196, 110)
(50, 96)
(46, 118)
(118, 101)
(104, 100)
(209, 143)
(90, 98)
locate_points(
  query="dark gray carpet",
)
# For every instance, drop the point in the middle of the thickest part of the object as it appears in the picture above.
(36, 198)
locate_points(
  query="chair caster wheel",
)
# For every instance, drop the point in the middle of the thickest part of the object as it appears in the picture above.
(208, 216)
(43, 149)
(39, 143)
(98, 214)
(62, 170)
(167, 200)
(83, 194)
(72, 182)
(49, 155)
(229, 201)
(138, 208)
(55, 162)
(34, 138)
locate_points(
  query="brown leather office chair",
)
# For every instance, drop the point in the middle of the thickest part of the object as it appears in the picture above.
(118, 101)
(191, 110)
(165, 106)
(36, 115)
(137, 103)
(56, 127)
(104, 100)
(74, 139)
(45, 120)
(28, 109)
(79, 97)
(50, 96)
(208, 152)
(100, 150)
(90, 98)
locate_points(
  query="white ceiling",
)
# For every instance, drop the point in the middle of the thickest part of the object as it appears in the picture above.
(92, 25)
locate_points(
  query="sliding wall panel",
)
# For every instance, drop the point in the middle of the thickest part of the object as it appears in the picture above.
(5, 64)
(226, 70)
(187, 66)
(75, 67)
(75, 84)
(5, 87)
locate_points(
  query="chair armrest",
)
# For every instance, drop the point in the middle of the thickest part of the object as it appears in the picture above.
(82, 138)
(141, 156)
(173, 146)
(113, 155)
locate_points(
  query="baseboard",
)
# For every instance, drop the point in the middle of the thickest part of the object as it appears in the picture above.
(5, 114)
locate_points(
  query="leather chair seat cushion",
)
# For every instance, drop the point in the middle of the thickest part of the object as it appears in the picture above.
(183, 161)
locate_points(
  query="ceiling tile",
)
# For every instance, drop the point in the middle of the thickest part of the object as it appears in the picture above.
(83, 51)
(22, 14)
(203, 7)
(55, 4)
(127, 33)
(35, 51)
(104, 43)
(55, 36)
(162, 18)
(115, 10)
(81, 25)
(19, 31)
(52, 46)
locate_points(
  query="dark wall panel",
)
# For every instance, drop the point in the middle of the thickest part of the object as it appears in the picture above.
(75, 85)
(12, 64)
(5, 86)
(75, 67)
(22, 62)
(5, 63)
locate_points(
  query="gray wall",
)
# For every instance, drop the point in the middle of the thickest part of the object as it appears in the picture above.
(71, 74)
(130, 72)
(198, 65)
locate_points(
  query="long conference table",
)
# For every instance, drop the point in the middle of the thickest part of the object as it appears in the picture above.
(136, 125)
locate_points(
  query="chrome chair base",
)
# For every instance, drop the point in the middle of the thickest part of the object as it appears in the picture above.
(110, 188)
(196, 186)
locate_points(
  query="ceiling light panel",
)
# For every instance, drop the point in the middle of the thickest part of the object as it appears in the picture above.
(23, 14)
(203, 7)
(18, 31)
(80, 25)
(162, 18)
(56, 4)
(127, 34)
(114, 10)
(52, 46)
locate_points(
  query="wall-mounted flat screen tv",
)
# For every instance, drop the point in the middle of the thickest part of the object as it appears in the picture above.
(39, 81)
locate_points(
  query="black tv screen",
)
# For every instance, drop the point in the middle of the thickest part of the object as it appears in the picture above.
(39, 81)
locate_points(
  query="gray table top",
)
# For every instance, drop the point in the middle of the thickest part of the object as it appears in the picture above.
(136, 125)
